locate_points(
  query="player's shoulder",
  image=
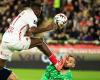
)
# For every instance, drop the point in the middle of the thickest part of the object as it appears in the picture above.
(27, 10)
(51, 67)
(30, 12)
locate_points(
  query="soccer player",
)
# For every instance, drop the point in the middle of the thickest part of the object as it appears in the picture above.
(5, 74)
(15, 38)
(65, 74)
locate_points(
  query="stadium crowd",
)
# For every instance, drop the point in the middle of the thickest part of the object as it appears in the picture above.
(83, 17)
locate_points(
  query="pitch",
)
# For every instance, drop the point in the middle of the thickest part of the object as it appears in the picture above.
(36, 74)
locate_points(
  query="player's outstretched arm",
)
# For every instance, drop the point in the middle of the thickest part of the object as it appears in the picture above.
(12, 77)
(36, 30)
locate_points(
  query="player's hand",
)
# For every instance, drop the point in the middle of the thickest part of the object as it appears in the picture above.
(52, 26)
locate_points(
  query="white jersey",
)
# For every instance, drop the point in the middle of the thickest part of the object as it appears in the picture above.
(18, 27)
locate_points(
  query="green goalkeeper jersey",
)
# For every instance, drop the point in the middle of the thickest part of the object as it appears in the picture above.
(52, 74)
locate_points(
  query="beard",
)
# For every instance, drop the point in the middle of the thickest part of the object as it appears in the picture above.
(65, 68)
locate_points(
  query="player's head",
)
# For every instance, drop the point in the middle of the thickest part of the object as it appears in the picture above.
(36, 7)
(70, 62)
(2, 62)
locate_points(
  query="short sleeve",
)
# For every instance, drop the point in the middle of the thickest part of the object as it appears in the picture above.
(30, 18)
(32, 22)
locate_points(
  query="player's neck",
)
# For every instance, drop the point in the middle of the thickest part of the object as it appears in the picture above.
(63, 71)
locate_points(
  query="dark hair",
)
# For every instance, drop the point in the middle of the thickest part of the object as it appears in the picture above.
(65, 68)
(35, 3)
(73, 57)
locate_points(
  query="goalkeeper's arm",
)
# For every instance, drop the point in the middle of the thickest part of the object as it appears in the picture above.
(46, 75)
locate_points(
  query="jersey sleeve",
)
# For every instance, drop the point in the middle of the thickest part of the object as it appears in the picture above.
(30, 18)
(32, 22)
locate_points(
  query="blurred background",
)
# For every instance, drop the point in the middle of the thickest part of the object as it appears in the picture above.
(80, 37)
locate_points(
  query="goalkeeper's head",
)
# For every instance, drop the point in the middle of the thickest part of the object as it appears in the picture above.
(70, 62)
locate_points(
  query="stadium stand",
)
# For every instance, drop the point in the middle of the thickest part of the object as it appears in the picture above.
(83, 18)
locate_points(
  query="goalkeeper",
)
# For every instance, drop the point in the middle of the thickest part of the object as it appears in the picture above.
(65, 74)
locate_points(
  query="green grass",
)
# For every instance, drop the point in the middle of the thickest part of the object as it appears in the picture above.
(86, 75)
(35, 74)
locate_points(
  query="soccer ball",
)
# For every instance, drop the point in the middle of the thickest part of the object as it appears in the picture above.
(61, 20)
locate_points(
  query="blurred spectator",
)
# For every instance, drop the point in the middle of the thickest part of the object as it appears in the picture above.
(81, 36)
(83, 17)
(74, 33)
(56, 6)
(97, 36)
(88, 37)
(46, 9)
